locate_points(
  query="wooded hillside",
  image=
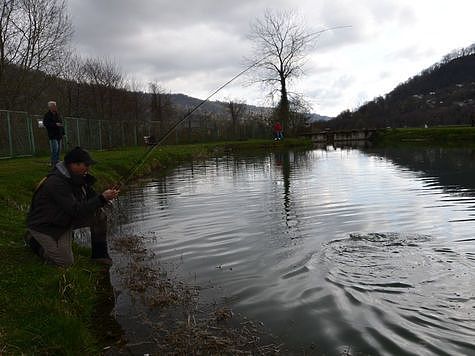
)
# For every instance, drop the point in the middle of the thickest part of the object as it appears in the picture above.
(443, 94)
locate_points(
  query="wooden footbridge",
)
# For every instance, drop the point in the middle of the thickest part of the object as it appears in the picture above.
(329, 136)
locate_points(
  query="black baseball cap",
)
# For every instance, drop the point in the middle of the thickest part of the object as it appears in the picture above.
(78, 155)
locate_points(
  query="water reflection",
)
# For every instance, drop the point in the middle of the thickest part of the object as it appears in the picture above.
(300, 241)
(454, 168)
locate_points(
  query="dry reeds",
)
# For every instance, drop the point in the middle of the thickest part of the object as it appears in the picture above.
(184, 325)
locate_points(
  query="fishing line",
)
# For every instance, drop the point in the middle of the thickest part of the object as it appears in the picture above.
(318, 33)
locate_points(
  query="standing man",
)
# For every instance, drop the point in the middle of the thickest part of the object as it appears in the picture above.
(63, 201)
(55, 127)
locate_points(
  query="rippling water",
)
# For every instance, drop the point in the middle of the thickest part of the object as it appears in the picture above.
(371, 252)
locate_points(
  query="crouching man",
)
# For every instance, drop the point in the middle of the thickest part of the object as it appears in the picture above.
(65, 200)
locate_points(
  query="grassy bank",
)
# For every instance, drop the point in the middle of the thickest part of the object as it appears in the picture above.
(50, 310)
(440, 136)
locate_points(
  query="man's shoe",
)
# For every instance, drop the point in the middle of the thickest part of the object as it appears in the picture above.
(33, 244)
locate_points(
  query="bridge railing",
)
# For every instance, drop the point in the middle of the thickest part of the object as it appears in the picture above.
(340, 135)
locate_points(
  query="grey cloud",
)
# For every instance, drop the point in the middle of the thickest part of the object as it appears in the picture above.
(407, 16)
(163, 37)
(409, 53)
(332, 93)
(113, 18)
(384, 75)
(366, 18)
(323, 69)
(192, 46)
(186, 51)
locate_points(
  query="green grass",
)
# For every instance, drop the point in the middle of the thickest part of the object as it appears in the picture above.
(441, 136)
(50, 310)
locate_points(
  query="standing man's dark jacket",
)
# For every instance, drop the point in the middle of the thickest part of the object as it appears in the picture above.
(50, 120)
(63, 201)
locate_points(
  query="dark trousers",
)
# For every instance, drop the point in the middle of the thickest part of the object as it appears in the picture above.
(55, 146)
(98, 227)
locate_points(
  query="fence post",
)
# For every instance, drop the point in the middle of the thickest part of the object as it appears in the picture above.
(100, 135)
(77, 128)
(122, 131)
(109, 130)
(29, 123)
(28, 131)
(135, 134)
(66, 141)
(10, 139)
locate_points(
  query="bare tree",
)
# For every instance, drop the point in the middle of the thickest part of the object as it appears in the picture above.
(160, 105)
(134, 88)
(104, 76)
(282, 41)
(34, 36)
(6, 11)
(299, 113)
(236, 110)
(103, 72)
(72, 76)
(43, 31)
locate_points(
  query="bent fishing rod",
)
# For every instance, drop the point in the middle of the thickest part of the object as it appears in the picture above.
(124, 179)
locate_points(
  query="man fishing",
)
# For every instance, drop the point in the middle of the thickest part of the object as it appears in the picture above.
(63, 201)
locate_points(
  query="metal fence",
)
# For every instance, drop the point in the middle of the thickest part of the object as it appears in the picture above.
(23, 134)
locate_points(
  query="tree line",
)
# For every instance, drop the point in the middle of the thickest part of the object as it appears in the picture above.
(38, 64)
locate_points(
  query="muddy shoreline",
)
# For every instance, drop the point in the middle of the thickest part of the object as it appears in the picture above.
(182, 323)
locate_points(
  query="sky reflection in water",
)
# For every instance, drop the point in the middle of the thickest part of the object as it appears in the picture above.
(289, 239)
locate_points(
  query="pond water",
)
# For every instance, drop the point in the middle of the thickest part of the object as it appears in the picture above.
(362, 251)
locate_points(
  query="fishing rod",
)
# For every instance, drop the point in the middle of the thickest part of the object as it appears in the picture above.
(130, 173)
(126, 177)
(318, 33)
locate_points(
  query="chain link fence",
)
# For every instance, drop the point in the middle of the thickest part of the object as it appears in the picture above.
(22, 134)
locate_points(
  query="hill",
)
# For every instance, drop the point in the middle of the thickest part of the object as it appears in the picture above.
(315, 118)
(443, 94)
(220, 108)
(187, 102)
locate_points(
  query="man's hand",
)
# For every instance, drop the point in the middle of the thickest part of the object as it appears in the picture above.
(110, 194)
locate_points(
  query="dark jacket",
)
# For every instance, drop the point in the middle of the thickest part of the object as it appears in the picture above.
(63, 201)
(50, 120)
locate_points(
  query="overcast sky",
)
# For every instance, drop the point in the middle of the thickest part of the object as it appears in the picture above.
(194, 46)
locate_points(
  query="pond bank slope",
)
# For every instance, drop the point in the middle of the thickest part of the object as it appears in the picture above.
(455, 136)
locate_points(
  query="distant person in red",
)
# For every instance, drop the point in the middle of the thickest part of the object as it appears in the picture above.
(278, 135)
